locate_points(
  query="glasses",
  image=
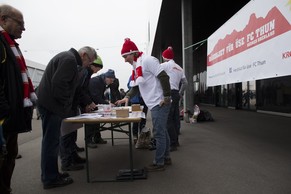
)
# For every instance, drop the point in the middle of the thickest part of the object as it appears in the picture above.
(20, 23)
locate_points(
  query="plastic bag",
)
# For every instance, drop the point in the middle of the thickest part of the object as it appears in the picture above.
(195, 114)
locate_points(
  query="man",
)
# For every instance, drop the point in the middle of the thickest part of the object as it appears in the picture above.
(57, 100)
(177, 77)
(70, 159)
(114, 91)
(153, 83)
(98, 85)
(138, 127)
(17, 95)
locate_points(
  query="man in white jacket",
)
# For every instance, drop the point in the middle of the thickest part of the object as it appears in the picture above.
(178, 84)
(153, 83)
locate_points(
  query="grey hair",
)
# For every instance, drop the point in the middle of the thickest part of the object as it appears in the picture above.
(8, 10)
(89, 50)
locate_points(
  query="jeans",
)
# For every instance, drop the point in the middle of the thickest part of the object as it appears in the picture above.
(51, 124)
(137, 127)
(159, 119)
(174, 118)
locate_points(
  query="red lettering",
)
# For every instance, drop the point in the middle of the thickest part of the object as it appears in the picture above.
(286, 55)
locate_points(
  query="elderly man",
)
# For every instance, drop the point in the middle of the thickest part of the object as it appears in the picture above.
(58, 99)
(17, 95)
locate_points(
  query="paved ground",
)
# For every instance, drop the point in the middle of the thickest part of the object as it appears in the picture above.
(239, 153)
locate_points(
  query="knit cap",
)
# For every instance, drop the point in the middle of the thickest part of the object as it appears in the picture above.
(98, 62)
(110, 74)
(128, 47)
(168, 54)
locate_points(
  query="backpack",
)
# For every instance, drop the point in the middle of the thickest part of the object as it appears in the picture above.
(204, 115)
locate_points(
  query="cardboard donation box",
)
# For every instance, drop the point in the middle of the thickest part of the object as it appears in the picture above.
(124, 112)
(135, 107)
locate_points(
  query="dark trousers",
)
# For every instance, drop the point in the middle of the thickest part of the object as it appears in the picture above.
(7, 163)
(92, 132)
(51, 126)
(174, 118)
(68, 148)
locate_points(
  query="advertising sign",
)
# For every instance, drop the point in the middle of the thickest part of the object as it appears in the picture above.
(254, 44)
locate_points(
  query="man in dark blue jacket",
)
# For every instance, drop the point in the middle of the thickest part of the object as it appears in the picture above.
(97, 87)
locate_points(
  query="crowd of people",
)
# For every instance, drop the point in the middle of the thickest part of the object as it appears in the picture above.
(67, 88)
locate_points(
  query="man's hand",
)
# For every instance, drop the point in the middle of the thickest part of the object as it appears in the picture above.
(124, 100)
(90, 107)
(167, 100)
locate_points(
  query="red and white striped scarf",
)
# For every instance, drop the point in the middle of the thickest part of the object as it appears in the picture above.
(136, 76)
(29, 94)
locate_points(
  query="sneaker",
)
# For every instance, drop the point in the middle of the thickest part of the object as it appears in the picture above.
(72, 167)
(168, 161)
(100, 141)
(92, 145)
(60, 182)
(155, 167)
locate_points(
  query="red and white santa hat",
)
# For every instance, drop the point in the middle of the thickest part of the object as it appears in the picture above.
(168, 54)
(128, 47)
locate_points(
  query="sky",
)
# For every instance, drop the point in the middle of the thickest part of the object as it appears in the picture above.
(57, 25)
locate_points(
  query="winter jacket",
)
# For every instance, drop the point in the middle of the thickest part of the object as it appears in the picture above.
(57, 88)
(17, 119)
(97, 87)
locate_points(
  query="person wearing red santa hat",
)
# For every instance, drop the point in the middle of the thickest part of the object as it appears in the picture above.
(177, 76)
(152, 81)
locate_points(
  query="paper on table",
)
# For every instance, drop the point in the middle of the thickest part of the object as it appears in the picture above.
(86, 116)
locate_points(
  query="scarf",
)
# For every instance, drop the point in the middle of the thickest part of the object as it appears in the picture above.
(28, 90)
(136, 76)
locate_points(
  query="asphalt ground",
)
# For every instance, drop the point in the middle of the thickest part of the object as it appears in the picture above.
(241, 152)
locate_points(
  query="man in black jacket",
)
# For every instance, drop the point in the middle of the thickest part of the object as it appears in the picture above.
(70, 159)
(17, 95)
(57, 100)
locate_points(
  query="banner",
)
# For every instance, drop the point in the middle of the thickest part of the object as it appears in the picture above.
(254, 44)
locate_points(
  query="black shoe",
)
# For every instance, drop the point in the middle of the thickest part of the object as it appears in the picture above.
(60, 182)
(173, 148)
(73, 167)
(78, 159)
(155, 167)
(168, 161)
(92, 145)
(64, 175)
(79, 149)
(18, 156)
(101, 141)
